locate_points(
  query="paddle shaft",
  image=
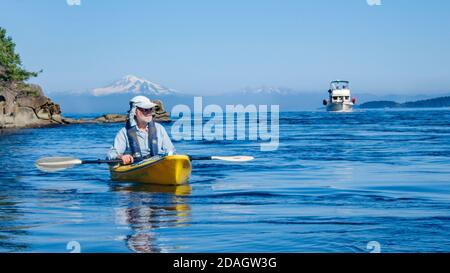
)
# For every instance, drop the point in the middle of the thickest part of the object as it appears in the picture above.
(193, 157)
(100, 161)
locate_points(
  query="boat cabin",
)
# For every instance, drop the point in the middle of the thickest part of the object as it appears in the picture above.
(339, 91)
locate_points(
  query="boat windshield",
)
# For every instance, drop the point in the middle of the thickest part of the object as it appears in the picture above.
(339, 85)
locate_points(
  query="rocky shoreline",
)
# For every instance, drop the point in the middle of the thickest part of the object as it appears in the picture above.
(24, 105)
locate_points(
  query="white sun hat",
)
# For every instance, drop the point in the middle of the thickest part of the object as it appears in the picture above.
(142, 102)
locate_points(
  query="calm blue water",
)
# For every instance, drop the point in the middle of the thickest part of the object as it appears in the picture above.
(337, 182)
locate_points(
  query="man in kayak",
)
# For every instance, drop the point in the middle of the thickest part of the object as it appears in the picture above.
(141, 137)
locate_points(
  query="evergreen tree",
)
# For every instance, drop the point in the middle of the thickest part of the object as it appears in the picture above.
(11, 69)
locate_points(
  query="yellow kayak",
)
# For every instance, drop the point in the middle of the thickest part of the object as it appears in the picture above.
(167, 170)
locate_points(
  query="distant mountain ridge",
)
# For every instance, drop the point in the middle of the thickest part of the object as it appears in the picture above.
(267, 90)
(428, 103)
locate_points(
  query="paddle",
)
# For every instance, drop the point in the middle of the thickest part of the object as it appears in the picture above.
(238, 158)
(54, 164)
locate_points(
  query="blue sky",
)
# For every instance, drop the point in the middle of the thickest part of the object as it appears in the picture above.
(402, 46)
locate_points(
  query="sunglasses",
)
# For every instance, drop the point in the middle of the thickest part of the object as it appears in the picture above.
(147, 111)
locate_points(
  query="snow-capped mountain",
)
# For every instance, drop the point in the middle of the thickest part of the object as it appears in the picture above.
(267, 90)
(134, 85)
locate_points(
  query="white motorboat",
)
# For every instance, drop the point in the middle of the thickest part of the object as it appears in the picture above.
(340, 99)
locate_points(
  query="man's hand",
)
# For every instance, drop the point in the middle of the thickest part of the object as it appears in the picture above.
(126, 159)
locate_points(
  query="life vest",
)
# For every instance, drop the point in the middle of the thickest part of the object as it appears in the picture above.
(134, 143)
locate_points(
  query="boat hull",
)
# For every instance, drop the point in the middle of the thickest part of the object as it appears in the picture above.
(339, 107)
(168, 170)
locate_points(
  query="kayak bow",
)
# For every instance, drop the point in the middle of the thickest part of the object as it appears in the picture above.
(168, 170)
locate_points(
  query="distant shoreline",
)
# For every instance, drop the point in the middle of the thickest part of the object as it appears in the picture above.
(440, 102)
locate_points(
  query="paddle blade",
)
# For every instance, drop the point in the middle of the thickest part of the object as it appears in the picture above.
(54, 164)
(240, 158)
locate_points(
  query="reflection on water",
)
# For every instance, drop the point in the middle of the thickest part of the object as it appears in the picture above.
(149, 207)
(180, 190)
(11, 229)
